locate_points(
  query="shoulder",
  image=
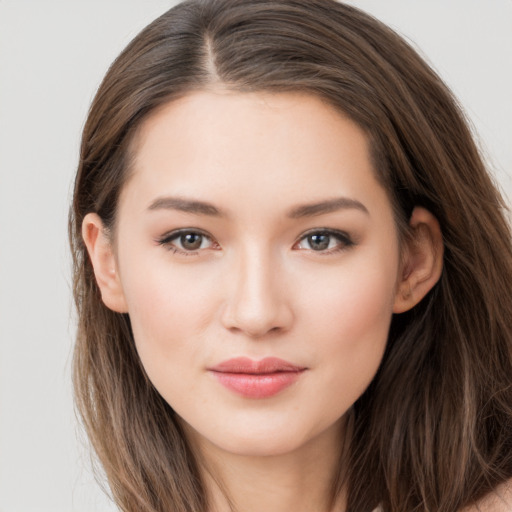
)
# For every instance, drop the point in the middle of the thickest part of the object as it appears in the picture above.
(500, 500)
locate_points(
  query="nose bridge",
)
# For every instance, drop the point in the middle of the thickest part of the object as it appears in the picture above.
(258, 302)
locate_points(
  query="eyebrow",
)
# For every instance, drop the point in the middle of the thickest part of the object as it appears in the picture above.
(306, 210)
(185, 205)
(322, 207)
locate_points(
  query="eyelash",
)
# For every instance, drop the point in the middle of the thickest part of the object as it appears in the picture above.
(344, 241)
(168, 239)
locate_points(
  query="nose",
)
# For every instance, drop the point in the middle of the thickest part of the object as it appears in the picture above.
(258, 303)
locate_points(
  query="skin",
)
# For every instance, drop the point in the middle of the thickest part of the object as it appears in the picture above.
(257, 286)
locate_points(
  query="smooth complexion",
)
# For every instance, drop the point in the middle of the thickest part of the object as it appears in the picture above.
(253, 228)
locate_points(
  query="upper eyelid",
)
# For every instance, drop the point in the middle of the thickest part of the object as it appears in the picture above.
(175, 233)
(329, 231)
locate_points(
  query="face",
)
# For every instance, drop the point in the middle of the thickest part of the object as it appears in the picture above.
(258, 259)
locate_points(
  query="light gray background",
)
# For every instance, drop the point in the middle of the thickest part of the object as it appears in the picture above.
(53, 55)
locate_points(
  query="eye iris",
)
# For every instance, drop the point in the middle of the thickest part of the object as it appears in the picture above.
(191, 241)
(319, 242)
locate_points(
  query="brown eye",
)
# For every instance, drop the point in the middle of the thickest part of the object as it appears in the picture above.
(191, 241)
(187, 242)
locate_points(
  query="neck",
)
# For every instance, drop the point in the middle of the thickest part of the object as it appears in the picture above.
(302, 480)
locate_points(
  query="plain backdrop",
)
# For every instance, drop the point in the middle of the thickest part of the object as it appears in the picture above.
(53, 55)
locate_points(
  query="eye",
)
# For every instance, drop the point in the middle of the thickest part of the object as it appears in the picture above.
(187, 241)
(326, 241)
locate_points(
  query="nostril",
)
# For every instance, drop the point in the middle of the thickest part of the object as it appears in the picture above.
(258, 326)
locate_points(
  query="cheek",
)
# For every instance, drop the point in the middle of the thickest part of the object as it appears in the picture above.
(355, 299)
(169, 309)
(349, 319)
(365, 306)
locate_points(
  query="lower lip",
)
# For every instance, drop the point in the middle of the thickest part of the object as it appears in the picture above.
(257, 385)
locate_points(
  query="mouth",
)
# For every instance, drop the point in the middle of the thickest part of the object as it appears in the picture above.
(257, 379)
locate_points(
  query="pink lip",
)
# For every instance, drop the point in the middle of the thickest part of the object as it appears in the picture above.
(256, 379)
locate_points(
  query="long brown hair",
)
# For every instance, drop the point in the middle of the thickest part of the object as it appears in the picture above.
(433, 432)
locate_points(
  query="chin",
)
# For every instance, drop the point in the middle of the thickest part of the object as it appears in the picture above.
(260, 445)
(269, 440)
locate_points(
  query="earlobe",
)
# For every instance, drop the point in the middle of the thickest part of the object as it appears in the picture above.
(422, 261)
(104, 263)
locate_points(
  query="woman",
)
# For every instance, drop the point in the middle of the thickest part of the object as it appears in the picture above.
(291, 271)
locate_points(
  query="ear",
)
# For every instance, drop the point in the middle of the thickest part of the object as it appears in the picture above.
(101, 253)
(422, 261)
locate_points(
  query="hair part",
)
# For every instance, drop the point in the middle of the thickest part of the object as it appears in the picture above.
(434, 429)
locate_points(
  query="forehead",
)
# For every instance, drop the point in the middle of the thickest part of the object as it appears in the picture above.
(249, 148)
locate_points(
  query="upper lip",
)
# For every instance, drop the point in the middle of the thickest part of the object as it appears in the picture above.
(249, 366)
